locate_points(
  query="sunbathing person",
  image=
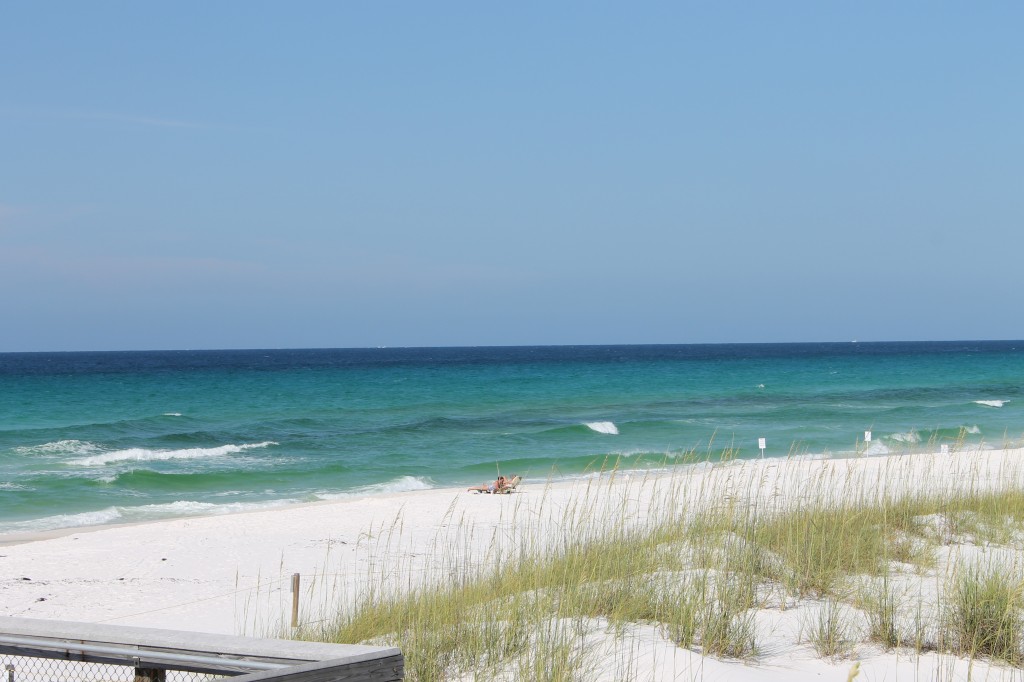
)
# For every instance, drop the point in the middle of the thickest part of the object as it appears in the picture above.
(489, 487)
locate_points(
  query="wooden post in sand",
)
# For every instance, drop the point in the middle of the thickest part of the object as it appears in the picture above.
(295, 600)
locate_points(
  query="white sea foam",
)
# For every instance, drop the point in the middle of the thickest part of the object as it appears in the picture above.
(60, 447)
(93, 518)
(608, 428)
(148, 512)
(12, 486)
(172, 414)
(401, 484)
(639, 452)
(876, 448)
(144, 455)
(974, 430)
(992, 403)
(191, 508)
(908, 437)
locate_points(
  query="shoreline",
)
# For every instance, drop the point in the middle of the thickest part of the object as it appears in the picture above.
(230, 574)
(653, 466)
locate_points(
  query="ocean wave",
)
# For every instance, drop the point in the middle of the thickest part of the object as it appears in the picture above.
(60, 447)
(638, 452)
(402, 484)
(877, 448)
(608, 428)
(644, 459)
(973, 430)
(148, 512)
(172, 414)
(179, 508)
(991, 403)
(13, 486)
(144, 455)
(908, 437)
(92, 518)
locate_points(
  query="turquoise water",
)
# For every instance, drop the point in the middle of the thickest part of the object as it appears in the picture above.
(91, 438)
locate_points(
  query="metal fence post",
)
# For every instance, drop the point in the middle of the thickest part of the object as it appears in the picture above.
(149, 674)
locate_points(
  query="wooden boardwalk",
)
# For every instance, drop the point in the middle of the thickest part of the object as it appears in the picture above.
(147, 654)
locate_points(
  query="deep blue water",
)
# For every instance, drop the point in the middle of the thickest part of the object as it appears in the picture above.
(118, 436)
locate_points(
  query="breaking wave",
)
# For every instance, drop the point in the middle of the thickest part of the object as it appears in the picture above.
(191, 508)
(148, 512)
(60, 447)
(608, 428)
(877, 448)
(13, 486)
(402, 484)
(93, 518)
(991, 403)
(908, 437)
(145, 455)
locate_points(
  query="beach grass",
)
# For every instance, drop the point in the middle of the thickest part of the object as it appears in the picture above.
(830, 633)
(698, 560)
(985, 614)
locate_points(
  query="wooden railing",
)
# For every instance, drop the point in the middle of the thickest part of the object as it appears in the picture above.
(148, 654)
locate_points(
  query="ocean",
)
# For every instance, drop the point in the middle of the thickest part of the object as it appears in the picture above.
(111, 437)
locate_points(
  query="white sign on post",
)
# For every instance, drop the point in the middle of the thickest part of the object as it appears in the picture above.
(867, 436)
(761, 444)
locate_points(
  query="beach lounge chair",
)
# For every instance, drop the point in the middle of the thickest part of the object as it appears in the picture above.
(511, 485)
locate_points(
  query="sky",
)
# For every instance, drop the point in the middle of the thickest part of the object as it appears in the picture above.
(355, 174)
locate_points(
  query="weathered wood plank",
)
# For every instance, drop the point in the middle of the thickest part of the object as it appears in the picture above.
(84, 653)
(176, 640)
(386, 669)
(199, 652)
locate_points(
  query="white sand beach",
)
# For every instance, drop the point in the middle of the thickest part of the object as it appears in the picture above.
(232, 574)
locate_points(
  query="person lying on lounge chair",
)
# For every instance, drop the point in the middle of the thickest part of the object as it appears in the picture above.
(511, 484)
(489, 487)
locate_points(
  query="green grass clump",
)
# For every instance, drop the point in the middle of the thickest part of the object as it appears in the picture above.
(993, 517)
(726, 625)
(820, 547)
(830, 632)
(557, 656)
(881, 610)
(985, 615)
(812, 550)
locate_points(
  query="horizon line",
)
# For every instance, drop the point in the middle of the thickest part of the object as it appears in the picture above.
(483, 346)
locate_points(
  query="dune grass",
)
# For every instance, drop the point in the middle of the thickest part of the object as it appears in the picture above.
(985, 616)
(830, 633)
(698, 563)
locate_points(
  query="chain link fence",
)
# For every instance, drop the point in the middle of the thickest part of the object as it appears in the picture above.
(31, 669)
(61, 651)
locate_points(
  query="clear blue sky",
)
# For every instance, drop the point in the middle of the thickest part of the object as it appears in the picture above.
(329, 174)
